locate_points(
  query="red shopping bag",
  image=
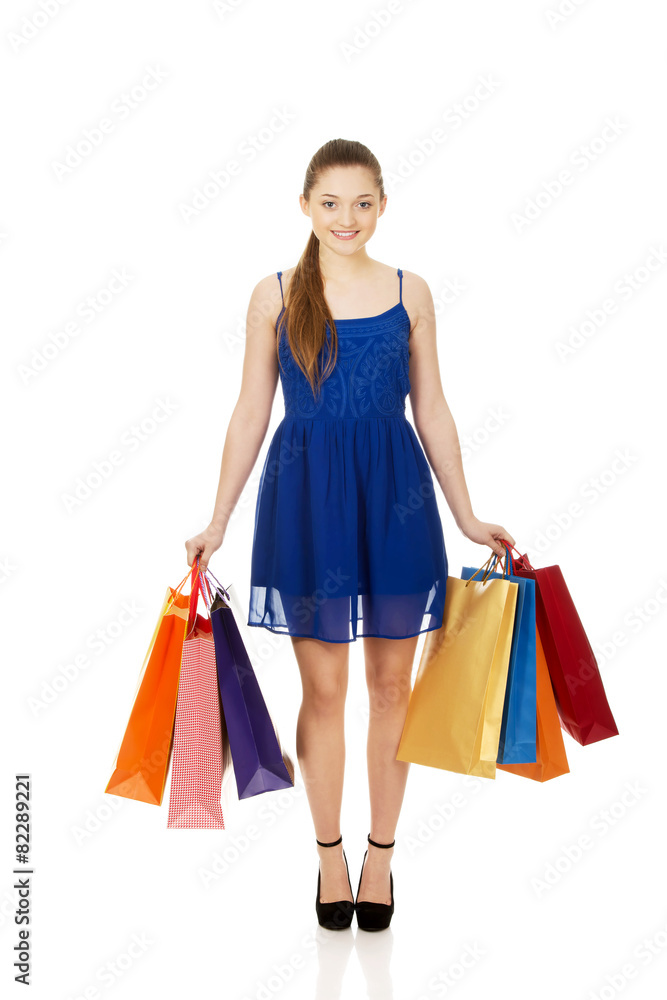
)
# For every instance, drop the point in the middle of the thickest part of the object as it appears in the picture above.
(580, 696)
(201, 761)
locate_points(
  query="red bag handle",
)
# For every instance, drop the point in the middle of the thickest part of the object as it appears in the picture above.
(524, 558)
(199, 585)
(178, 589)
(194, 597)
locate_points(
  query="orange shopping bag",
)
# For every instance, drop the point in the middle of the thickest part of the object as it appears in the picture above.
(551, 757)
(143, 758)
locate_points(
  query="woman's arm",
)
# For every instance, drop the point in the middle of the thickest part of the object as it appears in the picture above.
(250, 417)
(433, 419)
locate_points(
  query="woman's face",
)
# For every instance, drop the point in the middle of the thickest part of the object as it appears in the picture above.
(344, 200)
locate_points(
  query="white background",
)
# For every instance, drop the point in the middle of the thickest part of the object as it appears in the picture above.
(107, 868)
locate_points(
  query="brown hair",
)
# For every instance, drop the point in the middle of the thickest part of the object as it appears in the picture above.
(306, 311)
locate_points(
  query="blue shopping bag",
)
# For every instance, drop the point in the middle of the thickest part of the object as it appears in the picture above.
(518, 736)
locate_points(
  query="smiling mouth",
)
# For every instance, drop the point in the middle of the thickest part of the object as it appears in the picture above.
(343, 234)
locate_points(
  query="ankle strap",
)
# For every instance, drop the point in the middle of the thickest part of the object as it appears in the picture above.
(375, 843)
(332, 844)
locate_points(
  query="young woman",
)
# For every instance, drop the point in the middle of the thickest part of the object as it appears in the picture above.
(347, 540)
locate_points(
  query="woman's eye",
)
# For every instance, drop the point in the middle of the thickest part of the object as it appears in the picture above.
(325, 203)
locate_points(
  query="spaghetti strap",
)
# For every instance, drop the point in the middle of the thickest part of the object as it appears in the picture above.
(281, 287)
(400, 286)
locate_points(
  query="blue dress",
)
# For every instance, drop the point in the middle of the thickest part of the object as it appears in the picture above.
(348, 539)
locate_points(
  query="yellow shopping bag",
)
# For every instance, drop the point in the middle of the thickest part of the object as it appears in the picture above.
(456, 705)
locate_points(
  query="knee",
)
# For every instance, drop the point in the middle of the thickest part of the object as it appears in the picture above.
(325, 696)
(388, 689)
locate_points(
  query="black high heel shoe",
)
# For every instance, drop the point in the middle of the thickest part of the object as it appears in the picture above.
(374, 916)
(338, 915)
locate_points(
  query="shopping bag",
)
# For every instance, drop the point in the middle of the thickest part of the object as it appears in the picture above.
(551, 756)
(260, 764)
(455, 709)
(143, 758)
(517, 743)
(580, 696)
(201, 762)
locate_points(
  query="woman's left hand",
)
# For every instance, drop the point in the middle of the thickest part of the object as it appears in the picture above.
(485, 533)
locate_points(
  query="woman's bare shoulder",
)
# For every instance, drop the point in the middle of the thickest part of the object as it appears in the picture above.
(415, 283)
(266, 300)
(286, 276)
(417, 299)
(271, 283)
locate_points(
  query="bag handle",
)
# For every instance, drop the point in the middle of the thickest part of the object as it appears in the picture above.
(508, 566)
(524, 558)
(223, 589)
(205, 590)
(177, 590)
(200, 586)
(484, 578)
(194, 598)
(199, 582)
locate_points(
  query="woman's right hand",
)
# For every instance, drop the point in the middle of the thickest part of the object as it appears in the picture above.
(204, 545)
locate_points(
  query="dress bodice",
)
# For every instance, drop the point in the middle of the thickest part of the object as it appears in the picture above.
(370, 377)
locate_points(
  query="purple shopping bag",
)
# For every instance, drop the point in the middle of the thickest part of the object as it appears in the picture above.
(260, 764)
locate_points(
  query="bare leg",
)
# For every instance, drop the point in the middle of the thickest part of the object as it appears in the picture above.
(320, 748)
(388, 673)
